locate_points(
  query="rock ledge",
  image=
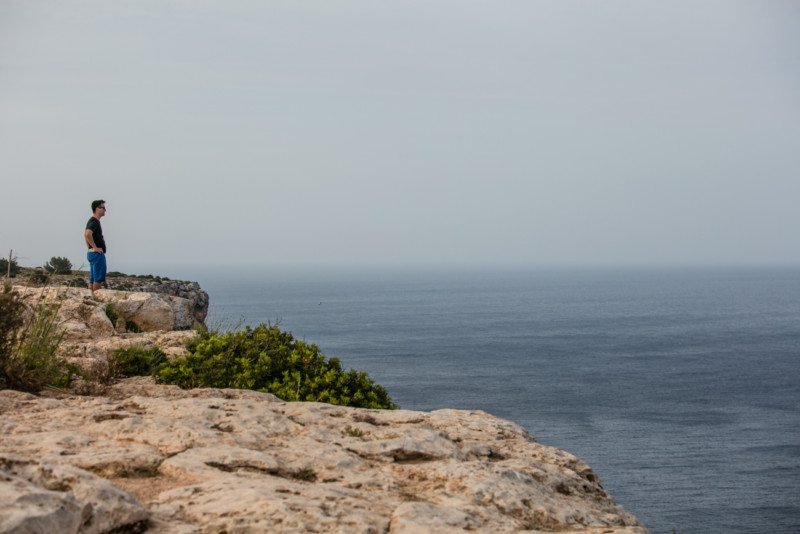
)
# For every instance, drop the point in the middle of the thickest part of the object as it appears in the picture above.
(146, 457)
(163, 459)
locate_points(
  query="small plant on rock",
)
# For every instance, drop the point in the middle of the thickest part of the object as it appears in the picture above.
(111, 313)
(354, 431)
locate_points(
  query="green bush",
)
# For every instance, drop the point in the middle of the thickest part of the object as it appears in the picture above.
(138, 361)
(4, 267)
(269, 360)
(28, 360)
(58, 265)
(111, 313)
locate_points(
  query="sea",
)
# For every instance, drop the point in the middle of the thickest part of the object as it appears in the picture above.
(680, 387)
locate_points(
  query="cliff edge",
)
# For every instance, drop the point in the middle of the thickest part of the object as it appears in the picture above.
(144, 457)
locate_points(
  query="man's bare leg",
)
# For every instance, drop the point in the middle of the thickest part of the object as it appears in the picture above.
(94, 287)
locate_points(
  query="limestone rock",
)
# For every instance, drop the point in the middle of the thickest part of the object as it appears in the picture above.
(212, 460)
(427, 518)
(191, 291)
(27, 507)
(150, 311)
(155, 457)
(81, 317)
(85, 318)
(43, 497)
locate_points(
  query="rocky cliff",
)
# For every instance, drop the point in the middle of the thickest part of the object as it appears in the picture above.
(146, 457)
(94, 326)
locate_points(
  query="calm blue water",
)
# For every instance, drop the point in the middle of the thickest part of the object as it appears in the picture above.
(681, 387)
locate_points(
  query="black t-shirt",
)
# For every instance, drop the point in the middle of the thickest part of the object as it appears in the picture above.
(97, 233)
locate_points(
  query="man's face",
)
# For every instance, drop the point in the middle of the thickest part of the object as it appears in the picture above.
(100, 211)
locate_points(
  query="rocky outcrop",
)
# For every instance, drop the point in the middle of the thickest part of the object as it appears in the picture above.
(87, 316)
(155, 458)
(208, 460)
(190, 291)
(140, 319)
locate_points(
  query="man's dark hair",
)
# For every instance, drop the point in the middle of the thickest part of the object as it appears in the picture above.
(96, 204)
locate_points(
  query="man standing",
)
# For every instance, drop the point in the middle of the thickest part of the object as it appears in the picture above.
(97, 246)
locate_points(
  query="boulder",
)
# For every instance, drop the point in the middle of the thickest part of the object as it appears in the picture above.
(162, 321)
(86, 317)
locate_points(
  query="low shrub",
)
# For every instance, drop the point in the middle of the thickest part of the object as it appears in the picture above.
(28, 360)
(270, 360)
(58, 265)
(138, 361)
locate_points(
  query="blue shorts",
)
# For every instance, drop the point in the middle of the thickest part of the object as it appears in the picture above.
(97, 267)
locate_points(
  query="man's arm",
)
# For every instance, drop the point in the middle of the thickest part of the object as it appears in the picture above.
(87, 235)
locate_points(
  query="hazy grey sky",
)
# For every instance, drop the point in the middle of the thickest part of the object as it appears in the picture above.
(519, 132)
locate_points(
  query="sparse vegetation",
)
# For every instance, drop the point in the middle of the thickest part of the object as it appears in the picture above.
(270, 360)
(76, 281)
(111, 313)
(353, 431)
(28, 360)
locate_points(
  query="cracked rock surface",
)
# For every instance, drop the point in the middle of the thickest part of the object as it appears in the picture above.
(162, 321)
(159, 459)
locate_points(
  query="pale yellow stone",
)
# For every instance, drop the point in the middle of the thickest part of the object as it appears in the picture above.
(214, 460)
(209, 460)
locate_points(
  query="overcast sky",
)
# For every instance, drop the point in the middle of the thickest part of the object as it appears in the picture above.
(429, 132)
